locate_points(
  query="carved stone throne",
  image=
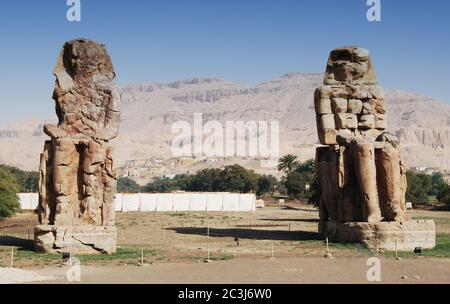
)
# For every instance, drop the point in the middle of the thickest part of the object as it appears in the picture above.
(361, 173)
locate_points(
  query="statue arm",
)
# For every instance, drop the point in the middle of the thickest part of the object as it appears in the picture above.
(54, 131)
(112, 119)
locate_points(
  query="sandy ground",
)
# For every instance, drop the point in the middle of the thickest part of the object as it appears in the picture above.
(305, 270)
(17, 276)
(241, 245)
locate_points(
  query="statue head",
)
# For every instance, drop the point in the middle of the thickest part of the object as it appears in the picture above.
(83, 61)
(84, 88)
(350, 66)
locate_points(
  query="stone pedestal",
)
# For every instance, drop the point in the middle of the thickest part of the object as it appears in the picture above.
(405, 236)
(75, 239)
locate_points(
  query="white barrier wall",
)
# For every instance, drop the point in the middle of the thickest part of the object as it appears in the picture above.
(164, 202)
(178, 202)
(130, 202)
(29, 201)
(148, 203)
(181, 202)
(197, 202)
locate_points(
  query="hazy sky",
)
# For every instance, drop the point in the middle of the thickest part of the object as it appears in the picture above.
(247, 41)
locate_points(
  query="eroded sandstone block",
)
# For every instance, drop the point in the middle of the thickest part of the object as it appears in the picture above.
(77, 176)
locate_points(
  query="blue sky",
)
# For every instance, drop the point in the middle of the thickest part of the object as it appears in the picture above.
(247, 41)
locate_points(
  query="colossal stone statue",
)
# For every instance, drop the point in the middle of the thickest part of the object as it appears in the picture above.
(361, 173)
(77, 179)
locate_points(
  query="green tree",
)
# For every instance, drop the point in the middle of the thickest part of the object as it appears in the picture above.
(295, 184)
(9, 187)
(127, 185)
(445, 196)
(287, 163)
(206, 180)
(161, 185)
(28, 181)
(439, 186)
(303, 182)
(420, 186)
(266, 184)
(238, 179)
(183, 182)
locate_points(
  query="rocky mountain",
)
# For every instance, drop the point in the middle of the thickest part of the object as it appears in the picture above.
(149, 111)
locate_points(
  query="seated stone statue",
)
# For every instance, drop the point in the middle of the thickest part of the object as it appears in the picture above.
(78, 181)
(361, 172)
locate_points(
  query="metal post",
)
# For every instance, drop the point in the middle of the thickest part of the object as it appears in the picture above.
(207, 241)
(12, 257)
(396, 251)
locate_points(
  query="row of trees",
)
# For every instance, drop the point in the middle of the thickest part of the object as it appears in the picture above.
(229, 179)
(299, 181)
(423, 187)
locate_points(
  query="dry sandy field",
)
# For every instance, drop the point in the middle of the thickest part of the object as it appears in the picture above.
(272, 245)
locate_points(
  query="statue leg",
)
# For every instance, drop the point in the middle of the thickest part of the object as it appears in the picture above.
(364, 159)
(93, 160)
(65, 181)
(47, 207)
(327, 172)
(390, 183)
(109, 195)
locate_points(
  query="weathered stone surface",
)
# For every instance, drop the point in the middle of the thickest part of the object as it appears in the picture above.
(78, 181)
(355, 106)
(361, 173)
(339, 105)
(327, 122)
(346, 121)
(388, 236)
(367, 122)
(350, 66)
(327, 136)
(323, 106)
(380, 122)
(75, 239)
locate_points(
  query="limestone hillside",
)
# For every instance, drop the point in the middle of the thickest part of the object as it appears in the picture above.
(148, 111)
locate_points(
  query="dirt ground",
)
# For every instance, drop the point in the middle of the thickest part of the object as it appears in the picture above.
(272, 245)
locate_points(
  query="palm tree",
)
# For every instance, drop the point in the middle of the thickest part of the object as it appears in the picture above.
(287, 163)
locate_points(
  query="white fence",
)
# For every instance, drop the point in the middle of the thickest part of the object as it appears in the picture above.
(171, 202)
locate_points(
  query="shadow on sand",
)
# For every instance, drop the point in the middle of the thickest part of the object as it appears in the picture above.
(11, 241)
(291, 220)
(251, 234)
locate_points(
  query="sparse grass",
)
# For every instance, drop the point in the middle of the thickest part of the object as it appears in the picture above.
(346, 246)
(126, 254)
(442, 249)
(133, 223)
(179, 214)
(221, 257)
(28, 254)
(437, 220)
